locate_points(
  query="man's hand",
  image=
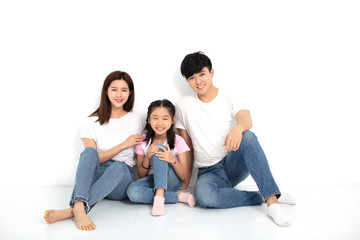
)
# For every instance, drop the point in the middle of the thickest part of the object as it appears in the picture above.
(233, 139)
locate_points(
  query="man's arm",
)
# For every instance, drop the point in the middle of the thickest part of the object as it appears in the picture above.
(190, 156)
(243, 123)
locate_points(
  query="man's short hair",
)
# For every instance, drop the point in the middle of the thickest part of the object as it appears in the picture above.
(194, 63)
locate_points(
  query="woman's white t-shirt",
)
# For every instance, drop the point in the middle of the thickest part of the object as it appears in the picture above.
(116, 131)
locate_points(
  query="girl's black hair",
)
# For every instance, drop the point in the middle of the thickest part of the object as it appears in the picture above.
(170, 134)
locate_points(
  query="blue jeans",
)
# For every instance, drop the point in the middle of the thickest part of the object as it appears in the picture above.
(215, 184)
(96, 181)
(143, 190)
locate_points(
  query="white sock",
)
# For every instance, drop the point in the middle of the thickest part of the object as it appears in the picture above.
(278, 215)
(287, 199)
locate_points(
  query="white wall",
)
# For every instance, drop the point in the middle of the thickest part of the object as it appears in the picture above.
(297, 64)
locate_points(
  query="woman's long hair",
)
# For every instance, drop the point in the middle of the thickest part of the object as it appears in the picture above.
(170, 134)
(104, 110)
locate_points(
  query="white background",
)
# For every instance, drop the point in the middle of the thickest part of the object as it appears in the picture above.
(295, 63)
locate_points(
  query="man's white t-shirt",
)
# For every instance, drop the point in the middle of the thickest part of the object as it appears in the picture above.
(116, 131)
(207, 124)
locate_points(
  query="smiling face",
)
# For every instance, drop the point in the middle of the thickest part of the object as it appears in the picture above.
(118, 93)
(201, 82)
(160, 121)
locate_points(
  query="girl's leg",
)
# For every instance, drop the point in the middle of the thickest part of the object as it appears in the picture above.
(142, 191)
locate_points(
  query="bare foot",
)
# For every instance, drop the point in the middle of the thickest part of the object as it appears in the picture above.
(52, 216)
(82, 221)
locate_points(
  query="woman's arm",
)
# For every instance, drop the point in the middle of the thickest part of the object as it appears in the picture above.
(109, 154)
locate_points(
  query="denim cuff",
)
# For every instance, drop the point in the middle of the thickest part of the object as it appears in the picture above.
(277, 193)
(82, 199)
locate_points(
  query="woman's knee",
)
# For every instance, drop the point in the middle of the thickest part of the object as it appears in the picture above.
(89, 154)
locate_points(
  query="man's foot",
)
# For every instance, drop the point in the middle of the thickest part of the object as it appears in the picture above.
(52, 216)
(186, 197)
(82, 221)
(158, 206)
(278, 215)
(287, 199)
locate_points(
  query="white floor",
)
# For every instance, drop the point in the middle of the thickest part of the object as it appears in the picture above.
(322, 212)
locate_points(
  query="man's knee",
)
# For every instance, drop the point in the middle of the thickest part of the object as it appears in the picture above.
(248, 137)
(205, 195)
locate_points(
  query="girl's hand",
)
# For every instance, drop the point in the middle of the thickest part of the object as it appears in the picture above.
(133, 140)
(166, 155)
(151, 150)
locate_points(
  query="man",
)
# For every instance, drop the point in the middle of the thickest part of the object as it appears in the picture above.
(216, 127)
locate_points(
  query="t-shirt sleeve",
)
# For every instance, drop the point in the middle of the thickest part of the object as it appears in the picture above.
(138, 149)
(179, 123)
(236, 104)
(87, 130)
(181, 145)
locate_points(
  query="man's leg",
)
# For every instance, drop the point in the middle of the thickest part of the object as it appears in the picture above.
(213, 189)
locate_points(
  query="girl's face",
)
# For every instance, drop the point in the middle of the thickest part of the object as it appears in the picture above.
(118, 93)
(160, 120)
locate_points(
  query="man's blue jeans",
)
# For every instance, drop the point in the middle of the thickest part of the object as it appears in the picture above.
(96, 181)
(143, 190)
(215, 184)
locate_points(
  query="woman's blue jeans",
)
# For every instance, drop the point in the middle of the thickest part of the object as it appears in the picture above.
(215, 184)
(143, 190)
(96, 181)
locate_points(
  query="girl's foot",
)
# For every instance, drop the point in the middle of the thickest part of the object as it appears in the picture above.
(186, 197)
(158, 206)
(52, 216)
(82, 221)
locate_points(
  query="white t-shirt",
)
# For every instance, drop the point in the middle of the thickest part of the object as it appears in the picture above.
(116, 131)
(207, 124)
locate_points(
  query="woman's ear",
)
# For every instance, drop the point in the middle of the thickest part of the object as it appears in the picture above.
(173, 120)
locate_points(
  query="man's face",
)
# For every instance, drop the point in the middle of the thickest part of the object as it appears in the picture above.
(201, 82)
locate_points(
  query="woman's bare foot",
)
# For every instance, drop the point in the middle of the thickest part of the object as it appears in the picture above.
(82, 221)
(52, 216)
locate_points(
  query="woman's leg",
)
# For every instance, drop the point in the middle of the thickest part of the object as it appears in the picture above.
(112, 184)
(87, 170)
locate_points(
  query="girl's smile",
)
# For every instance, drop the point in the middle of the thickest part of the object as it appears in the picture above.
(160, 121)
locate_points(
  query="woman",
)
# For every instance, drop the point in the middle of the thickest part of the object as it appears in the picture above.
(109, 135)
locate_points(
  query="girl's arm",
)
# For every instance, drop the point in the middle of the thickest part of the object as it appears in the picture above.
(143, 163)
(181, 166)
(109, 154)
(189, 156)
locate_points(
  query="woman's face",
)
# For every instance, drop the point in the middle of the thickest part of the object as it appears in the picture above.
(118, 93)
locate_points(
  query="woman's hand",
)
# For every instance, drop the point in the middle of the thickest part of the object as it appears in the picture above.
(133, 140)
(166, 155)
(151, 150)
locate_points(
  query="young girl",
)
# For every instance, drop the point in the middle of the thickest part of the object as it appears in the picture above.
(104, 169)
(163, 153)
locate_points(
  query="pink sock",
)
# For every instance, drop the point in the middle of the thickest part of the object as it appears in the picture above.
(186, 197)
(158, 206)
